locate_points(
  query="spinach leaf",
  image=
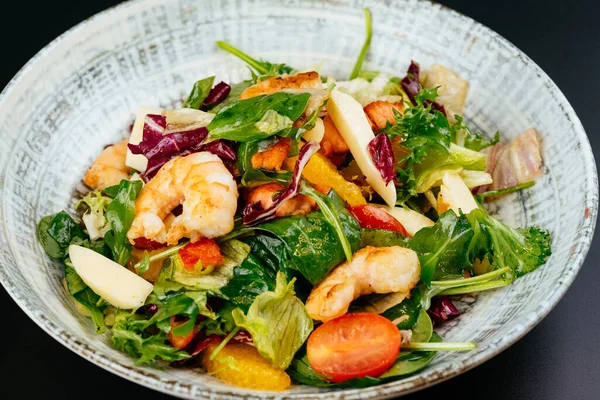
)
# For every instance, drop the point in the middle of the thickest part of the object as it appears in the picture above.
(258, 117)
(331, 214)
(410, 307)
(312, 243)
(382, 238)
(120, 214)
(423, 329)
(278, 323)
(410, 362)
(249, 280)
(86, 297)
(199, 92)
(444, 247)
(56, 232)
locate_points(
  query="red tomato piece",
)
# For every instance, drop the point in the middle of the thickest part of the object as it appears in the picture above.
(371, 217)
(205, 250)
(180, 342)
(353, 346)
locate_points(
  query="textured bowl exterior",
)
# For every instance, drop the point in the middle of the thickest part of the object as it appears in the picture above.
(81, 92)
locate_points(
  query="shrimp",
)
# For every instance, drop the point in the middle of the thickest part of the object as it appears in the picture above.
(372, 270)
(381, 112)
(297, 205)
(205, 188)
(109, 167)
(305, 80)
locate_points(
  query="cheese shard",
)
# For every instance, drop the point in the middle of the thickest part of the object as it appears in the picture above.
(411, 220)
(455, 195)
(138, 161)
(349, 118)
(316, 133)
(109, 280)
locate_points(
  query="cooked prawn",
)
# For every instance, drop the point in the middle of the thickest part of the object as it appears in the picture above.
(109, 167)
(392, 269)
(297, 205)
(205, 188)
(381, 112)
(305, 80)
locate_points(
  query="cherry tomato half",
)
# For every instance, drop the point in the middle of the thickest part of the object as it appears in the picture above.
(205, 250)
(353, 346)
(371, 217)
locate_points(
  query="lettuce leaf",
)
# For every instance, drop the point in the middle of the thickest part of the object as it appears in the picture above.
(278, 323)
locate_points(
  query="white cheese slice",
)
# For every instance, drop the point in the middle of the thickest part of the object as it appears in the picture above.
(138, 161)
(455, 195)
(350, 120)
(411, 220)
(109, 280)
(316, 133)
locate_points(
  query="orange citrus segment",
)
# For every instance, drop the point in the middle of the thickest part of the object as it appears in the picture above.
(241, 365)
(320, 171)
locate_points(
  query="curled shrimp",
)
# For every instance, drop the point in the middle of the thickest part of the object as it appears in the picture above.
(109, 167)
(202, 185)
(372, 270)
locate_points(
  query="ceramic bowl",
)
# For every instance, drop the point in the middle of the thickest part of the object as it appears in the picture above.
(81, 91)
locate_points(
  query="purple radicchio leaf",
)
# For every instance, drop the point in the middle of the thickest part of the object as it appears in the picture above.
(216, 96)
(254, 214)
(159, 148)
(442, 309)
(411, 86)
(380, 149)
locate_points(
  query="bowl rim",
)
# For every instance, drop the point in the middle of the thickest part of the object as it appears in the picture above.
(149, 380)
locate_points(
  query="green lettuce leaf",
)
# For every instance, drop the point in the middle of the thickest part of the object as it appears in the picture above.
(278, 323)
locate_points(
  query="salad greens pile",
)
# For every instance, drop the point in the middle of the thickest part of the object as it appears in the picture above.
(271, 263)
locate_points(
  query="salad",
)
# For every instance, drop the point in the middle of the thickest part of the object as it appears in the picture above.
(295, 227)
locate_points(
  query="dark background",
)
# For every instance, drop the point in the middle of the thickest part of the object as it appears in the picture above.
(557, 360)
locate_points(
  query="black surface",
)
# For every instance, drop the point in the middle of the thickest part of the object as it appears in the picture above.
(557, 360)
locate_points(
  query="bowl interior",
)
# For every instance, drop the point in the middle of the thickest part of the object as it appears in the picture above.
(81, 92)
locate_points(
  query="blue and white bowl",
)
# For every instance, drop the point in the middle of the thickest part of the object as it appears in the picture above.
(81, 91)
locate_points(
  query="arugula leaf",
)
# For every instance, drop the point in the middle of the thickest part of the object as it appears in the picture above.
(120, 214)
(278, 323)
(365, 48)
(254, 118)
(86, 297)
(129, 335)
(56, 232)
(265, 68)
(444, 247)
(199, 92)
